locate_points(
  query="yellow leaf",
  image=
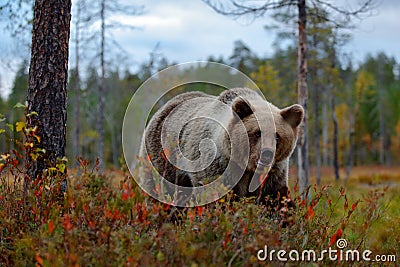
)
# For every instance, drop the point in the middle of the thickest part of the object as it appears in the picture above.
(4, 156)
(52, 171)
(41, 150)
(28, 144)
(37, 137)
(34, 156)
(10, 126)
(61, 167)
(19, 126)
(32, 113)
(19, 105)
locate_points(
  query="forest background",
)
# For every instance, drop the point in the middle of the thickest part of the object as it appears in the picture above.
(354, 116)
(101, 217)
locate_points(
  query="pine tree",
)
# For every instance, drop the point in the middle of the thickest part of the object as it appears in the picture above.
(47, 92)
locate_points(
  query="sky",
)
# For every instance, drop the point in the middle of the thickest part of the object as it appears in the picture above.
(190, 30)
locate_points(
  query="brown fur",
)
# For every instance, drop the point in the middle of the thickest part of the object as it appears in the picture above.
(251, 108)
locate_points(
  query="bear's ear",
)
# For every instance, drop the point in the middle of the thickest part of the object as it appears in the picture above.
(241, 108)
(293, 115)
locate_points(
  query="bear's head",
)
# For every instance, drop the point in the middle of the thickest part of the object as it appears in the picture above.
(271, 132)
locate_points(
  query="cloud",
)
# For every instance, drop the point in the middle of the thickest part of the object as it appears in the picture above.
(378, 33)
(190, 30)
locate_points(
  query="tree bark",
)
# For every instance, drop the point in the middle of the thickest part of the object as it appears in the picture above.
(101, 115)
(332, 57)
(325, 133)
(302, 155)
(350, 160)
(47, 90)
(381, 117)
(316, 102)
(317, 135)
(113, 137)
(335, 137)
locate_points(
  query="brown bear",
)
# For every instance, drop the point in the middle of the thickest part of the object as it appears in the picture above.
(196, 137)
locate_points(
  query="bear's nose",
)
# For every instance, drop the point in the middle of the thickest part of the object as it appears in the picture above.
(267, 155)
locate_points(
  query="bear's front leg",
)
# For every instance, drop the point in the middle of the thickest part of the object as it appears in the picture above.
(274, 192)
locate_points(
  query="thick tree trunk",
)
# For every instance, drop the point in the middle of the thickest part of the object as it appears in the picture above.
(101, 114)
(302, 155)
(47, 91)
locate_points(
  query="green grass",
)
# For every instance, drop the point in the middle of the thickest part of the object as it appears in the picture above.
(107, 221)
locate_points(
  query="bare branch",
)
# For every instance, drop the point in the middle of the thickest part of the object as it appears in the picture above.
(365, 7)
(17, 15)
(341, 17)
(240, 8)
(113, 24)
(116, 7)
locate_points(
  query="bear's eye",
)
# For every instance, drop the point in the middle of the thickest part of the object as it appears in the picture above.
(277, 137)
(257, 134)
